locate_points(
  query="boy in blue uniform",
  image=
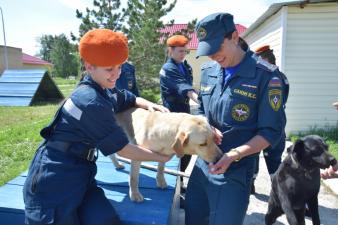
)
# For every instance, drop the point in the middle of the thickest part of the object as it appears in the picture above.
(272, 156)
(60, 187)
(176, 82)
(245, 104)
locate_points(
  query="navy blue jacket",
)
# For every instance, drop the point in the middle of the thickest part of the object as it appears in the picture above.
(175, 85)
(127, 79)
(249, 104)
(87, 118)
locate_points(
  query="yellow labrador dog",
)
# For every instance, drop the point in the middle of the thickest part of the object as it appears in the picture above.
(166, 133)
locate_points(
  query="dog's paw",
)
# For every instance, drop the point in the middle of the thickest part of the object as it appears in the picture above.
(161, 183)
(136, 197)
(119, 166)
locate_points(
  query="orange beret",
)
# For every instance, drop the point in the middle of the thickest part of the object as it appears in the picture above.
(103, 47)
(262, 49)
(177, 41)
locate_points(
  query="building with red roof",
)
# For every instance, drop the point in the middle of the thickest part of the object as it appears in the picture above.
(18, 60)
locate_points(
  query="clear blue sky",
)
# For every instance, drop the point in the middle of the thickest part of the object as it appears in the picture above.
(26, 20)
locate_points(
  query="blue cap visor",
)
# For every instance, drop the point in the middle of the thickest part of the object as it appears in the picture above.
(209, 47)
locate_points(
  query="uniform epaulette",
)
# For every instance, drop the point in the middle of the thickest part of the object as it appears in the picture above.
(261, 63)
(208, 65)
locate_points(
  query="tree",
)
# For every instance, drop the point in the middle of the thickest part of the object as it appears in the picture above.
(46, 42)
(64, 57)
(146, 51)
(105, 14)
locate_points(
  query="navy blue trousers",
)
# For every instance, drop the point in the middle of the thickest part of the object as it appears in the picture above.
(61, 189)
(218, 199)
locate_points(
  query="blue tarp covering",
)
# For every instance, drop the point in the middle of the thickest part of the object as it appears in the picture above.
(155, 210)
(27, 87)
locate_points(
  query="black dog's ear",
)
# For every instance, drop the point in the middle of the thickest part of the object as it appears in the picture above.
(298, 147)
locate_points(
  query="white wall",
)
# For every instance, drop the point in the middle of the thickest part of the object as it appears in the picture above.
(311, 64)
(269, 32)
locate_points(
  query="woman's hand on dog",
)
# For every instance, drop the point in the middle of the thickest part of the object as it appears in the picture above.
(331, 172)
(155, 107)
(217, 135)
(223, 164)
(145, 104)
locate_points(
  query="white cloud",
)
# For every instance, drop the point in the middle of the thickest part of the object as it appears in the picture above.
(245, 12)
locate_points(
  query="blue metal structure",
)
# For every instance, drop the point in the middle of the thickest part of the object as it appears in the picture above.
(27, 87)
(159, 207)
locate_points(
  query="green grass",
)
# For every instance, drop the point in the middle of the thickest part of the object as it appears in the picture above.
(329, 133)
(20, 136)
(20, 132)
(66, 85)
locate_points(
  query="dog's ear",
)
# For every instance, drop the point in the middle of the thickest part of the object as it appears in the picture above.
(298, 148)
(181, 140)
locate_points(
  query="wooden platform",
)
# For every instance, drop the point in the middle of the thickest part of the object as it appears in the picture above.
(160, 206)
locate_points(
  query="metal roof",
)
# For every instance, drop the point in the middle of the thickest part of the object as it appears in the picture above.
(28, 59)
(27, 87)
(274, 8)
(193, 43)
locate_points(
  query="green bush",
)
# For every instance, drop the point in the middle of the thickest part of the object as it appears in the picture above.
(329, 133)
(152, 95)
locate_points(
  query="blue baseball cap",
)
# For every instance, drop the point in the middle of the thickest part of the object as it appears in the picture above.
(211, 32)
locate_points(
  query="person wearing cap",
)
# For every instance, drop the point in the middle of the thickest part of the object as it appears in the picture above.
(245, 105)
(60, 187)
(209, 80)
(272, 156)
(176, 82)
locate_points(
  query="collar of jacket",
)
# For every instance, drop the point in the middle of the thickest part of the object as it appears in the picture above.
(88, 80)
(247, 68)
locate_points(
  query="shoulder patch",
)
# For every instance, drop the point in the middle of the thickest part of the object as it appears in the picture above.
(162, 72)
(275, 82)
(265, 65)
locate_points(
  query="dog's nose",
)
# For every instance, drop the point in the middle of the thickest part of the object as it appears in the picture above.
(333, 161)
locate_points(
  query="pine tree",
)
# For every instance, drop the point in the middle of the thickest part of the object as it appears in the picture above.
(105, 14)
(64, 57)
(147, 52)
(46, 42)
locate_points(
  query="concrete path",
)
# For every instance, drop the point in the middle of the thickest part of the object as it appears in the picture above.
(328, 202)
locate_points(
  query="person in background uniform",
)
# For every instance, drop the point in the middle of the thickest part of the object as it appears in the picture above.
(127, 79)
(176, 82)
(245, 104)
(331, 172)
(60, 187)
(272, 156)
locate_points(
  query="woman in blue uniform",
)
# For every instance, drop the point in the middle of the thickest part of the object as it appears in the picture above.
(60, 187)
(176, 82)
(244, 103)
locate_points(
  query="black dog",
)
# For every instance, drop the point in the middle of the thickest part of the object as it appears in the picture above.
(297, 181)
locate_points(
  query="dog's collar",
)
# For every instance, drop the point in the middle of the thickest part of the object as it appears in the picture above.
(298, 166)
